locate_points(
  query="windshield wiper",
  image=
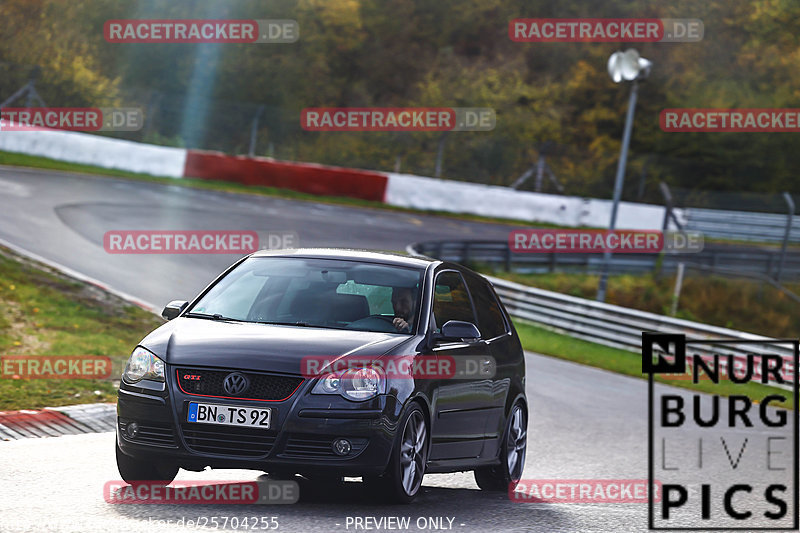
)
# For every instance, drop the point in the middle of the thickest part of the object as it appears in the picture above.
(215, 316)
(298, 324)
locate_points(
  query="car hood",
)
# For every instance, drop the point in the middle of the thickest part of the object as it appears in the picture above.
(237, 345)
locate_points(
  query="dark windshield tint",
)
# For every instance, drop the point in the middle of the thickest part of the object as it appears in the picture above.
(316, 292)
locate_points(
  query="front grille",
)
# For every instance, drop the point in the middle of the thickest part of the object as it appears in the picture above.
(301, 445)
(150, 434)
(227, 440)
(268, 387)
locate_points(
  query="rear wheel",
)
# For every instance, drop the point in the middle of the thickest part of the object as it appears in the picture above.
(136, 470)
(506, 475)
(402, 481)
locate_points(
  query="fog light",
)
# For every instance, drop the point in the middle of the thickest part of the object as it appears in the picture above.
(132, 430)
(341, 447)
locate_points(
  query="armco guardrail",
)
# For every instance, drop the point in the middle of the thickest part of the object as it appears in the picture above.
(750, 261)
(741, 225)
(622, 327)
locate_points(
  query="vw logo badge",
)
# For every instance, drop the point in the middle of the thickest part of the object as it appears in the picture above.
(235, 384)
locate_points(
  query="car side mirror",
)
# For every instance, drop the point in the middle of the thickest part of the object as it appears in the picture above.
(458, 329)
(173, 309)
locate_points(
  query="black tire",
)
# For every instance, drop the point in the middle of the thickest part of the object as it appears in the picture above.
(135, 471)
(402, 482)
(506, 475)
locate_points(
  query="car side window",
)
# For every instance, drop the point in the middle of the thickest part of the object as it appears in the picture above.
(451, 300)
(491, 320)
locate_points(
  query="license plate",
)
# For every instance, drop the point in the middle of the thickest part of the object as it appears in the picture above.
(229, 415)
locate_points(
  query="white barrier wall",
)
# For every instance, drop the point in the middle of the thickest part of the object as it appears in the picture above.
(96, 150)
(419, 192)
(459, 197)
(629, 216)
(403, 190)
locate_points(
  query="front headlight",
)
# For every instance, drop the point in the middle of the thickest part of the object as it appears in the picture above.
(353, 384)
(143, 365)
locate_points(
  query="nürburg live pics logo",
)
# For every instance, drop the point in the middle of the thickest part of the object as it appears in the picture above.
(724, 446)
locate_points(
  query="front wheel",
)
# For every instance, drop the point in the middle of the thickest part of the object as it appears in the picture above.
(506, 475)
(402, 481)
(136, 471)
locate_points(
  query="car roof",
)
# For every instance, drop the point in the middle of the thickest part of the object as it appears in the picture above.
(369, 256)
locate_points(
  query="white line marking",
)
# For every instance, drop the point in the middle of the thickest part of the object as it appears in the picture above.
(147, 306)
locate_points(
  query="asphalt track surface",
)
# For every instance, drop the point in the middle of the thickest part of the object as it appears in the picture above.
(63, 216)
(585, 423)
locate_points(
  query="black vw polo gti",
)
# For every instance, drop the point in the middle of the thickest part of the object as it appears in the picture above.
(255, 374)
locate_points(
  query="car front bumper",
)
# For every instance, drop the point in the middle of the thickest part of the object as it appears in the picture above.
(299, 440)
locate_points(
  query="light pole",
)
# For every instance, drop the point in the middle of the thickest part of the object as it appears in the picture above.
(628, 66)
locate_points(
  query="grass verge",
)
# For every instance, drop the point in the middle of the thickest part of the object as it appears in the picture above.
(741, 304)
(544, 341)
(43, 312)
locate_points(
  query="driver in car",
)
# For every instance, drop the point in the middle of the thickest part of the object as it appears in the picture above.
(403, 304)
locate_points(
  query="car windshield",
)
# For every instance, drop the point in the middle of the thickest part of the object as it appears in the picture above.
(308, 292)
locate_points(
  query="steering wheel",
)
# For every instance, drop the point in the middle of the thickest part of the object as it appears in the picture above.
(374, 323)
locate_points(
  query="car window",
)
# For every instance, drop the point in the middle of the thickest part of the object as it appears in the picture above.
(451, 300)
(378, 297)
(491, 321)
(315, 292)
(238, 298)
